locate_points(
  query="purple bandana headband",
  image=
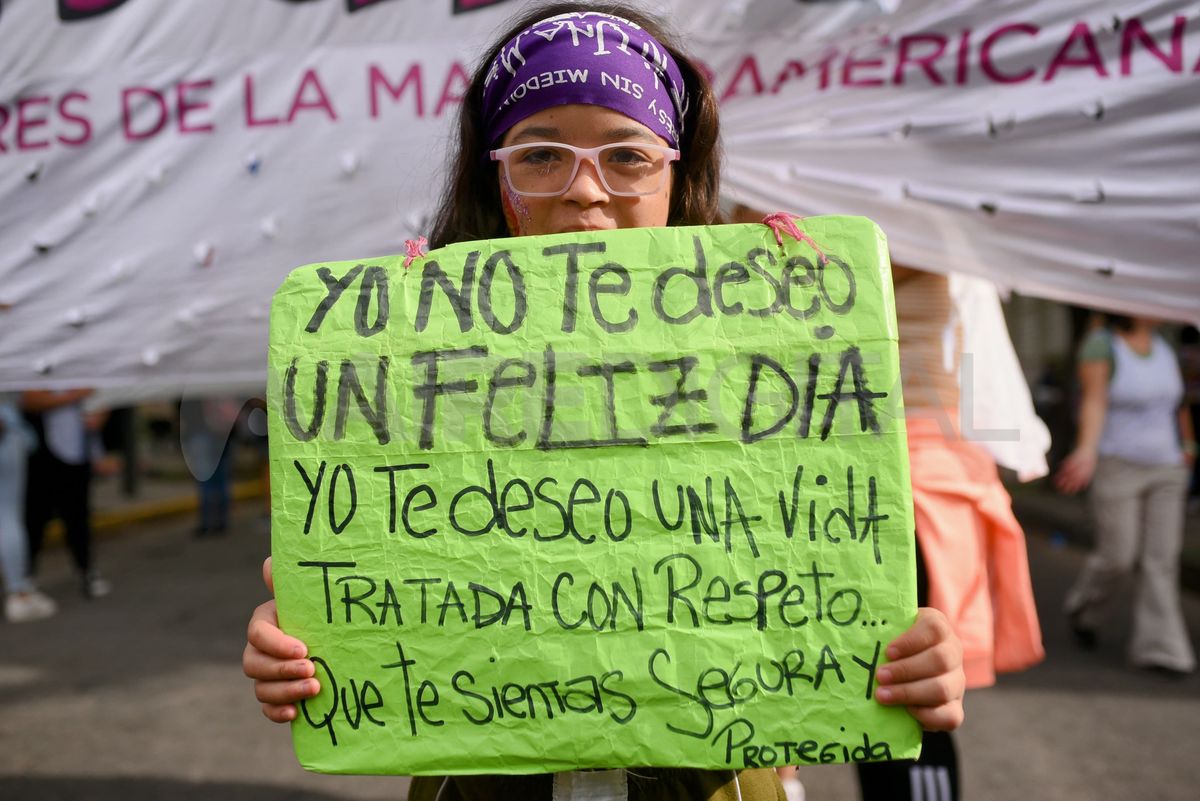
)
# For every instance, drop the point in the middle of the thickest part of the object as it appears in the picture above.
(591, 58)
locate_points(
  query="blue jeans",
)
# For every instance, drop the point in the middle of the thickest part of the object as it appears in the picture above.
(214, 494)
(14, 554)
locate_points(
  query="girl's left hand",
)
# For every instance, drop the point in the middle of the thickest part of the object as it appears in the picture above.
(924, 673)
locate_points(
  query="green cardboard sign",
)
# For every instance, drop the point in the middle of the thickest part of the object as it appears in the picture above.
(602, 499)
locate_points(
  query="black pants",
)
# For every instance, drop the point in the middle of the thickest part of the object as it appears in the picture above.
(57, 489)
(933, 777)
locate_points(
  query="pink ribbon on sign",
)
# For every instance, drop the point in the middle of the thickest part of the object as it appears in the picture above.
(783, 223)
(414, 249)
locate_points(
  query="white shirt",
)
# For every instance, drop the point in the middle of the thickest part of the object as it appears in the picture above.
(66, 434)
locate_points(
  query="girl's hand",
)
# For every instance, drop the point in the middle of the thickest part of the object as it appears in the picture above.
(924, 673)
(276, 661)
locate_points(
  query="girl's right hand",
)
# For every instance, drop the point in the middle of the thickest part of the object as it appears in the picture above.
(276, 661)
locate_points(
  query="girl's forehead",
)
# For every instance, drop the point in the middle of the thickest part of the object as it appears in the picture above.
(583, 122)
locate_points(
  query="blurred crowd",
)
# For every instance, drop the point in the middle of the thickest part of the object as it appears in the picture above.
(55, 444)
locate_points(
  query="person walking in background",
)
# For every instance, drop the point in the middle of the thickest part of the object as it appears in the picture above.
(22, 602)
(60, 477)
(1189, 364)
(207, 427)
(1135, 447)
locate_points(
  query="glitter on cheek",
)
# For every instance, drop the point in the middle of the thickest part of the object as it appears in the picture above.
(517, 203)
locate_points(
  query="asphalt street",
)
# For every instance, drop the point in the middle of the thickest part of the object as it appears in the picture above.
(140, 695)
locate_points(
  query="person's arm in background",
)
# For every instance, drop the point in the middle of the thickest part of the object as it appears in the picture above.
(103, 462)
(1075, 473)
(1187, 435)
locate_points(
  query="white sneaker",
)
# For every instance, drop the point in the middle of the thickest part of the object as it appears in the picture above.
(25, 607)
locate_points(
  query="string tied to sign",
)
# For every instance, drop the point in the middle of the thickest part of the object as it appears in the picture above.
(781, 222)
(414, 249)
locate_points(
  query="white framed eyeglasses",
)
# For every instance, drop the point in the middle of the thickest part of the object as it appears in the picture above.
(546, 169)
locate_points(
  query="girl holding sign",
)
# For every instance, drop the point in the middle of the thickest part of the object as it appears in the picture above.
(556, 137)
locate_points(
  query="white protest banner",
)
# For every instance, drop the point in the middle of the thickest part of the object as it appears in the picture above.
(162, 166)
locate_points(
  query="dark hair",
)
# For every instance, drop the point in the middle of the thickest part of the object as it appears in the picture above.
(470, 207)
(1118, 322)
